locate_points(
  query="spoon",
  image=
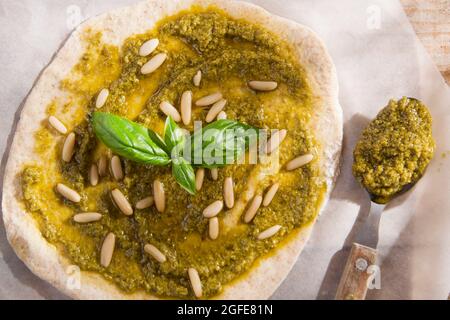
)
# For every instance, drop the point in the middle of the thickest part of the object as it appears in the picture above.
(359, 268)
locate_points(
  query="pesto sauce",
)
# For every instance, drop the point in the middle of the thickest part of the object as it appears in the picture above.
(395, 149)
(229, 52)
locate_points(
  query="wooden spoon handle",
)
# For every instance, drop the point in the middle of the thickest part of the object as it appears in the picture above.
(353, 284)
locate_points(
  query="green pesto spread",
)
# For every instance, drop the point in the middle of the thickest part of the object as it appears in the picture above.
(229, 53)
(394, 150)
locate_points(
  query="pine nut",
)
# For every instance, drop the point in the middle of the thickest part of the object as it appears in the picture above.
(68, 147)
(254, 206)
(155, 253)
(269, 232)
(122, 202)
(101, 166)
(214, 228)
(107, 251)
(68, 193)
(228, 192)
(275, 140)
(169, 110)
(222, 115)
(299, 161)
(215, 109)
(159, 195)
(144, 203)
(148, 47)
(116, 168)
(199, 176)
(208, 100)
(213, 209)
(197, 78)
(58, 125)
(101, 98)
(93, 175)
(154, 63)
(263, 85)
(186, 107)
(196, 284)
(86, 217)
(270, 194)
(214, 173)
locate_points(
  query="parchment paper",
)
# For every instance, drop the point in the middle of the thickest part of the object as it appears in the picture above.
(377, 56)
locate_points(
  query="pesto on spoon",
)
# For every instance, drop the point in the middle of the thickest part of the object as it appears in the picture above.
(390, 157)
(394, 150)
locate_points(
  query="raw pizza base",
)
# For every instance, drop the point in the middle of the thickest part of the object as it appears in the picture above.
(43, 259)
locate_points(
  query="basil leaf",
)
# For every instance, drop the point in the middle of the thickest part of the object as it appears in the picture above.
(128, 139)
(221, 142)
(174, 136)
(184, 174)
(158, 140)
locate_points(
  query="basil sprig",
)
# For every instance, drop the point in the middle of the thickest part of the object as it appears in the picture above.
(128, 139)
(221, 142)
(218, 144)
(184, 174)
(174, 136)
(174, 139)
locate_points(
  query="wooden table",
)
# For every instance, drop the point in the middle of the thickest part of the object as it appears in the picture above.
(431, 21)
